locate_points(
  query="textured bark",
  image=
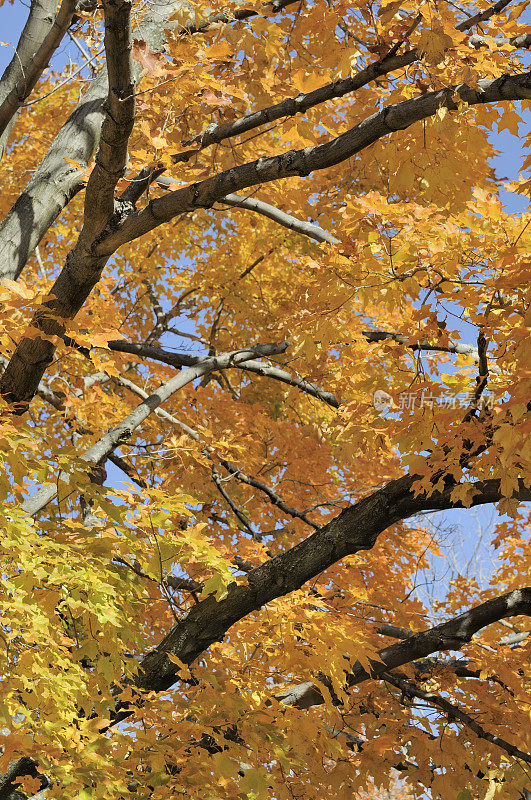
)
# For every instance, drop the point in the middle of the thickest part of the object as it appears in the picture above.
(356, 528)
(55, 182)
(450, 635)
(33, 70)
(118, 123)
(39, 21)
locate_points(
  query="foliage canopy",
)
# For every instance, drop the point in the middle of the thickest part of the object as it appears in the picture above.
(263, 309)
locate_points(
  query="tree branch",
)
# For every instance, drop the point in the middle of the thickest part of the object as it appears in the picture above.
(124, 430)
(187, 360)
(37, 65)
(303, 162)
(56, 181)
(450, 635)
(356, 528)
(83, 270)
(117, 126)
(453, 713)
(214, 134)
(286, 220)
(38, 24)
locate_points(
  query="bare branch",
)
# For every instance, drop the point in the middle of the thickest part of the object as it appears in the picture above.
(286, 220)
(454, 712)
(275, 499)
(216, 477)
(124, 430)
(270, 371)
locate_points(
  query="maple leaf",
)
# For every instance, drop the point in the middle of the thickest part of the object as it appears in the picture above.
(433, 44)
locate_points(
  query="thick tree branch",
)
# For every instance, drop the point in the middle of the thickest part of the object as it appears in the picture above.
(303, 162)
(454, 712)
(214, 134)
(483, 16)
(356, 528)
(450, 635)
(34, 69)
(118, 123)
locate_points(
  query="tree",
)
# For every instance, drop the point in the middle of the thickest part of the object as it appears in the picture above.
(256, 266)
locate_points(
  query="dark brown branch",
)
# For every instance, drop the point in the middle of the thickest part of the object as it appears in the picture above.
(450, 635)
(117, 126)
(454, 712)
(482, 16)
(356, 528)
(262, 487)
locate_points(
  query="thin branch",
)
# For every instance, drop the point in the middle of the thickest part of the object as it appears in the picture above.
(124, 430)
(209, 453)
(65, 82)
(262, 487)
(454, 712)
(216, 477)
(286, 220)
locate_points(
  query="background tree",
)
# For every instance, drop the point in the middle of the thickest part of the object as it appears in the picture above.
(256, 265)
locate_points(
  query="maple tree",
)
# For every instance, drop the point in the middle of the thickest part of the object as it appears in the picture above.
(263, 308)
